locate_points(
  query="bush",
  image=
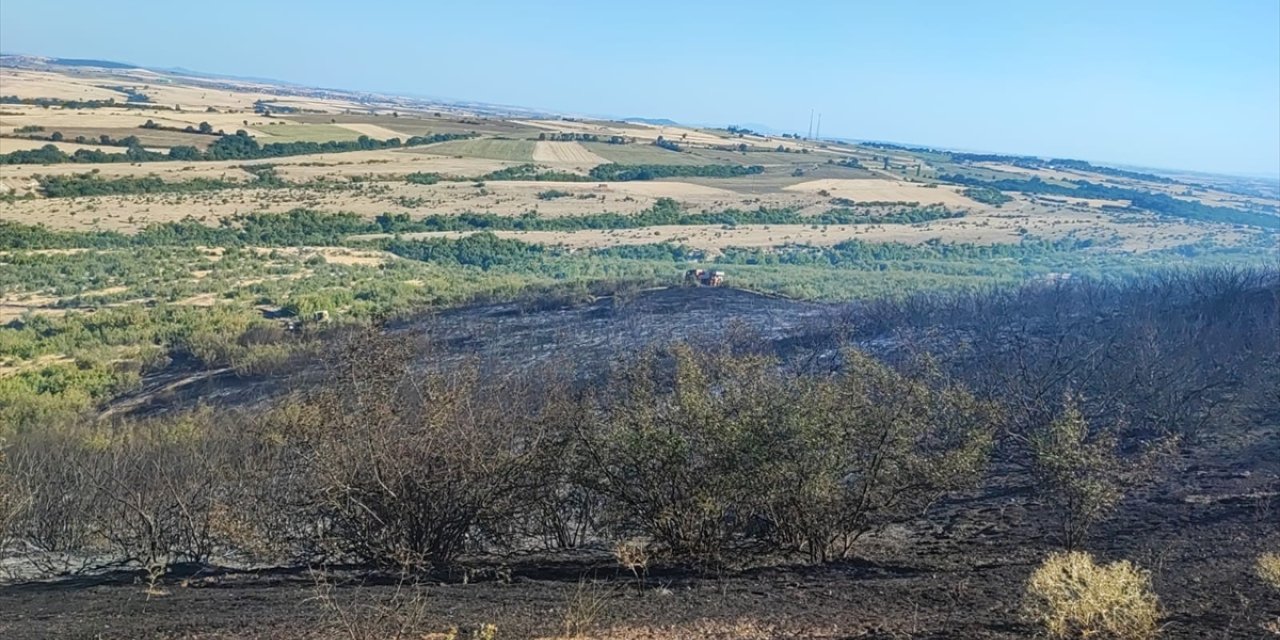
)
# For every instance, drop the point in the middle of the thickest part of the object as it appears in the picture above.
(552, 194)
(1269, 569)
(716, 456)
(144, 494)
(407, 469)
(1072, 597)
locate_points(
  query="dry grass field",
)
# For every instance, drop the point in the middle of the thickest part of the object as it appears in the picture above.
(886, 191)
(9, 145)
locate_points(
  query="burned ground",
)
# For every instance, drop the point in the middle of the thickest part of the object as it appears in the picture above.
(510, 337)
(956, 571)
(958, 574)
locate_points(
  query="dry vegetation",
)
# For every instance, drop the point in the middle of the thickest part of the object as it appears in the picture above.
(1269, 569)
(1073, 597)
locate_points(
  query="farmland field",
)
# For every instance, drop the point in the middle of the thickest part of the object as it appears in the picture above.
(491, 148)
(571, 153)
(642, 154)
(306, 133)
(417, 124)
(147, 137)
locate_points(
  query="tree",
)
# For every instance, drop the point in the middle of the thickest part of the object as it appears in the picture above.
(1081, 471)
(56, 136)
(184, 153)
(725, 455)
(205, 127)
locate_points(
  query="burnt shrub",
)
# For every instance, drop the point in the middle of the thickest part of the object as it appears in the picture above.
(409, 469)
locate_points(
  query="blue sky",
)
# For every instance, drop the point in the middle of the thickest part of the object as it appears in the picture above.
(1193, 85)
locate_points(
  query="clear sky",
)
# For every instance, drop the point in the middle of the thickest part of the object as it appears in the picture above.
(1170, 83)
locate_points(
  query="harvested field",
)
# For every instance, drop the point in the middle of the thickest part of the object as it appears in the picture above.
(566, 153)
(106, 119)
(40, 84)
(374, 131)
(9, 145)
(879, 190)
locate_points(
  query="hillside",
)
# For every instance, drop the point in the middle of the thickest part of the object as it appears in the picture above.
(288, 361)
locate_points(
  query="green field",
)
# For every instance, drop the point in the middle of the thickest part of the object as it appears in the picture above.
(305, 133)
(640, 153)
(510, 150)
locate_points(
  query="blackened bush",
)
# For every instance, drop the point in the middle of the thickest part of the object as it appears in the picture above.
(144, 494)
(408, 469)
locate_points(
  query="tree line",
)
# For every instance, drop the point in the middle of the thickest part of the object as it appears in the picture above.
(84, 104)
(614, 172)
(665, 211)
(240, 146)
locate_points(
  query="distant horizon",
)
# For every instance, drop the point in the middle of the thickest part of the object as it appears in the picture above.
(749, 125)
(1197, 90)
